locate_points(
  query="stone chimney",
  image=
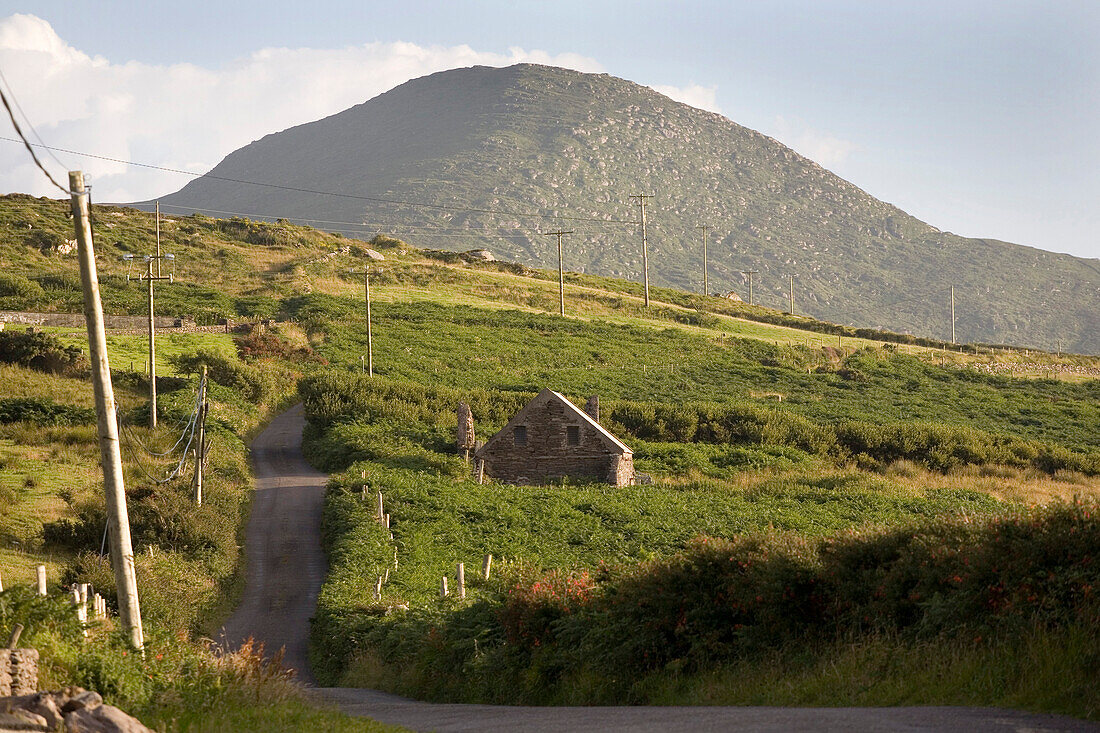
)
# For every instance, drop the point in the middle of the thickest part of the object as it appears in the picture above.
(466, 440)
(592, 407)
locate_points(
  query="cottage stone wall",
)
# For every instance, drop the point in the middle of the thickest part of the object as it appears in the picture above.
(549, 456)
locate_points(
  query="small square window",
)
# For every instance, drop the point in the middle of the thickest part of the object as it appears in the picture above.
(573, 434)
(519, 435)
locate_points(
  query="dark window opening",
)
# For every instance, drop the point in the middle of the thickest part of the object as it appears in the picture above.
(573, 434)
(519, 434)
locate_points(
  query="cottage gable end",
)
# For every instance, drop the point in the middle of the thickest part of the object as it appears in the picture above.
(551, 439)
(528, 414)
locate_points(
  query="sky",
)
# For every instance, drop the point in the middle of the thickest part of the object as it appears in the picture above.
(980, 118)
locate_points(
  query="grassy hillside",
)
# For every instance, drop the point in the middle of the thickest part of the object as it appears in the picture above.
(187, 557)
(534, 142)
(826, 449)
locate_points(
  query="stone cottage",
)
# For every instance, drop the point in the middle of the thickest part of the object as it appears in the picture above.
(551, 438)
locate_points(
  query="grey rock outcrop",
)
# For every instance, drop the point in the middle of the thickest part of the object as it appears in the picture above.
(73, 709)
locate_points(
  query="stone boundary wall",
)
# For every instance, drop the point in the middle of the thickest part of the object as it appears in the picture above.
(124, 324)
(76, 320)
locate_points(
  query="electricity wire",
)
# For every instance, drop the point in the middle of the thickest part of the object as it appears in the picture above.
(130, 438)
(27, 119)
(297, 189)
(27, 144)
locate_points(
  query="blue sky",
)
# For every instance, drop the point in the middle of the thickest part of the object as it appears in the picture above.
(978, 117)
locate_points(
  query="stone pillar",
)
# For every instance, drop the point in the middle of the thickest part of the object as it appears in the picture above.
(5, 679)
(592, 407)
(465, 438)
(24, 671)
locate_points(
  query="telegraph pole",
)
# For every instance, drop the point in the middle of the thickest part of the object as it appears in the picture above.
(561, 271)
(953, 315)
(706, 286)
(151, 278)
(642, 198)
(118, 522)
(791, 294)
(158, 239)
(370, 339)
(750, 273)
(200, 452)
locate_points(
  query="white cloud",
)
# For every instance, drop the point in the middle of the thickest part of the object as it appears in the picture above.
(821, 147)
(189, 117)
(694, 94)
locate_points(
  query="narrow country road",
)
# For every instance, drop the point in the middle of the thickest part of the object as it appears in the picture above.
(283, 546)
(286, 568)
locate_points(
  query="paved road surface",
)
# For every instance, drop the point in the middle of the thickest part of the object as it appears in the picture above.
(286, 568)
(285, 563)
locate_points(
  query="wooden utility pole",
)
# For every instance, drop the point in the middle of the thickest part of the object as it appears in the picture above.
(561, 270)
(706, 285)
(953, 314)
(750, 273)
(150, 278)
(118, 522)
(200, 450)
(791, 294)
(158, 239)
(370, 338)
(642, 198)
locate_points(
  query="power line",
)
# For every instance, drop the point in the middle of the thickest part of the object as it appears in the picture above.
(27, 119)
(282, 187)
(23, 138)
(363, 225)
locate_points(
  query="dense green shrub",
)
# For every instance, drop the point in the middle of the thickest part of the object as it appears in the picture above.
(41, 616)
(253, 383)
(19, 290)
(257, 306)
(42, 411)
(722, 599)
(341, 396)
(43, 352)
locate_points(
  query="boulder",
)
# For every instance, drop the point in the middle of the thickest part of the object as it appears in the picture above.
(373, 254)
(481, 254)
(103, 719)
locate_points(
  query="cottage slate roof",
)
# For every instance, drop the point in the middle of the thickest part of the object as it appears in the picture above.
(616, 445)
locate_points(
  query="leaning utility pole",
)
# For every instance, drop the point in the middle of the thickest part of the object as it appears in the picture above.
(150, 278)
(706, 286)
(953, 315)
(750, 273)
(561, 271)
(118, 522)
(642, 198)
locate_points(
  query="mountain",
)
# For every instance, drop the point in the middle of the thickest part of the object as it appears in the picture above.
(486, 157)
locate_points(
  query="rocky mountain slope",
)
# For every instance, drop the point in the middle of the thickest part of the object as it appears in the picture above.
(486, 157)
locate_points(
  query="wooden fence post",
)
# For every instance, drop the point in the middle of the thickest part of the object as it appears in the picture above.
(486, 566)
(40, 571)
(381, 514)
(443, 587)
(378, 589)
(460, 576)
